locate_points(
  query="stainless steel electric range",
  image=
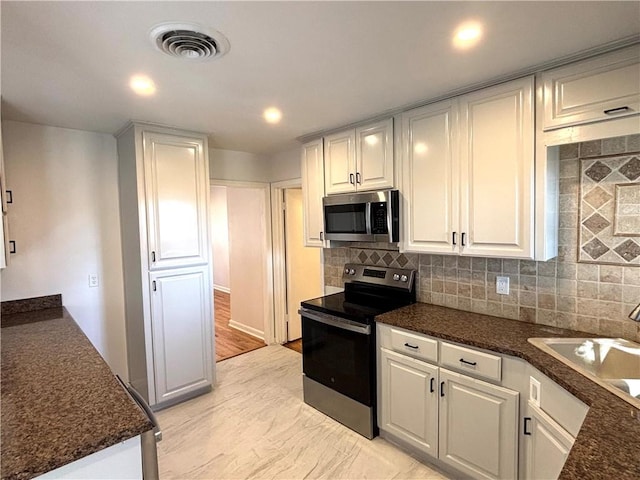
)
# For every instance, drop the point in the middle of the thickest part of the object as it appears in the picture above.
(339, 343)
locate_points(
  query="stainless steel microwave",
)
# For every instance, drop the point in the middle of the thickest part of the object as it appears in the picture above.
(362, 217)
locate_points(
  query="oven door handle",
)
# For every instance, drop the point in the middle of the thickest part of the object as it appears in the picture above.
(337, 322)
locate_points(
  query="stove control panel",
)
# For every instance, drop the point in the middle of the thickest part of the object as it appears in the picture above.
(391, 277)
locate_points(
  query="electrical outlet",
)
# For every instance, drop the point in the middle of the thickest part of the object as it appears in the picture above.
(93, 279)
(502, 285)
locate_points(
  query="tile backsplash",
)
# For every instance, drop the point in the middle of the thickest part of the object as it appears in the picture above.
(594, 297)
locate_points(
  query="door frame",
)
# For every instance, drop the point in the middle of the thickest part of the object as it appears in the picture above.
(269, 335)
(279, 257)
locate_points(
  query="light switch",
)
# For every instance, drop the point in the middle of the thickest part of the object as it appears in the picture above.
(93, 279)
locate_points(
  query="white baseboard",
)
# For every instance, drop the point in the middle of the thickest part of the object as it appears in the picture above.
(254, 332)
(222, 289)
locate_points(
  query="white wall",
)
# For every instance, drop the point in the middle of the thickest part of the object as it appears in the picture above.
(66, 224)
(232, 165)
(247, 257)
(220, 238)
(285, 165)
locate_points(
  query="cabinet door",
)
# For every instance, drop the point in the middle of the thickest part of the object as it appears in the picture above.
(478, 426)
(181, 325)
(312, 193)
(497, 170)
(601, 88)
(429, 179)
(176, 198)
(340, 163)
(374, 156)
(547, 445)
(409, 403)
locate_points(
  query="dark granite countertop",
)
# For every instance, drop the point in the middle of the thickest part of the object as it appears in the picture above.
(60, 401)
(608, 444)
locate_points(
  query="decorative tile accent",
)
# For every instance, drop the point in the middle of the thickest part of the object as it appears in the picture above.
(628, 250)
(631, 169)
(374, 257)
(363, 257)
(387, 259)
(597, 197)
(609, 209)
(596, 223)
(597, 172)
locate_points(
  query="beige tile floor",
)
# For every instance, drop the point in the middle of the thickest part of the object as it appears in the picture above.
(255, 425)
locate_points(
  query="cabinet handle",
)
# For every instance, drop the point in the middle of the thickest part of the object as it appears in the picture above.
(453, 239)
(431, 386)
(322, 236)
(614, 111)
(415, 347)
(153, 284)
(153, 256)
(12, 246)
(462, 238)
(9, 196)
(358, 177)
(442, 389)
(526, 425)
(462, 360)
(351, 178)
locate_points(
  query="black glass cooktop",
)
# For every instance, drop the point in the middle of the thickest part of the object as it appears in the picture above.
(361, 309)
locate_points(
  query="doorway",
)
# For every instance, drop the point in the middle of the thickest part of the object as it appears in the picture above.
(298, 272)
(241, 250)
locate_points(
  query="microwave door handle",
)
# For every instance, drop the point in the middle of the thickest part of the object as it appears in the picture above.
(367, 214)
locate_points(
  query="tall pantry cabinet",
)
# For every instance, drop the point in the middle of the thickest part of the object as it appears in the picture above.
(163, 184)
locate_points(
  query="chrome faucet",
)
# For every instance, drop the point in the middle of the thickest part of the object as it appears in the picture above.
(635, 314)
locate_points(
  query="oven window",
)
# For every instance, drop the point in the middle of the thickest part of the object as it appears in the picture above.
(346, 218)
(339, 359)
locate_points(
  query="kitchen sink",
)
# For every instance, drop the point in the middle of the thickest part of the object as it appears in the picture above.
(614, 363)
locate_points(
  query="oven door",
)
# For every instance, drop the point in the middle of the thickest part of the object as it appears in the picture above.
(339, 354)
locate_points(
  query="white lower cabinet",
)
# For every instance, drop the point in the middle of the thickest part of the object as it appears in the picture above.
(410, 400)
(546, 444)
(478, 426)
(467, 423)
(181, 331)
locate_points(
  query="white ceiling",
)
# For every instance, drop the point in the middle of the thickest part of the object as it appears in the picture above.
(324, 64)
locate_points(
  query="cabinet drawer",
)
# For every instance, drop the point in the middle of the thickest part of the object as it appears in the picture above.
(414, 345)
(470, 361)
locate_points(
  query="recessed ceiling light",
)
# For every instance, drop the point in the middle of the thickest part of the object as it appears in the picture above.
(467, 35)
(142, 85)
(272, 115)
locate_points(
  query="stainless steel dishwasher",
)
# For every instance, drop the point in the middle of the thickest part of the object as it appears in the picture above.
(148, 439)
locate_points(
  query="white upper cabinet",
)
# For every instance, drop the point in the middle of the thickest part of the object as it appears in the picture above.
(360, 159)
(601, 88)
(497, 171)
(429, 182)
(374, 156)
(176, 191)
(468, 173)
(340, 162)
(312, 193)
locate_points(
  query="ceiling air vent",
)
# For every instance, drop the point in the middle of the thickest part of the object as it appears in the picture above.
(189, 41)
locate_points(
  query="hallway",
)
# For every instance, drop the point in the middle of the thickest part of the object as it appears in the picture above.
(230, 342)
